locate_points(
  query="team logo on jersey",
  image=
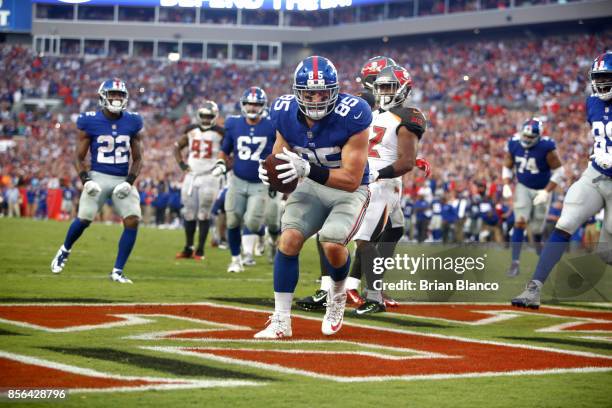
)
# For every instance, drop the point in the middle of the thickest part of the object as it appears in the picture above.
(309, 135)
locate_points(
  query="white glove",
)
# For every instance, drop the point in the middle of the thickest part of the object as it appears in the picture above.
(507, 191)
(541, 197)
(92, 188)
(295, 168)
(122, 190)
(603, 160)
(373, 176)
(263, 173)
(219, 169)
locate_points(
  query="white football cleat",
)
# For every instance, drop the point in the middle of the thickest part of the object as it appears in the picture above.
(117, 276)
(235, 266)
(61, 257)
(249, 260)
(334, 313)
(279, 327)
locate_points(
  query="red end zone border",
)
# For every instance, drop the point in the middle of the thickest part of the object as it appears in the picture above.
(437, 356)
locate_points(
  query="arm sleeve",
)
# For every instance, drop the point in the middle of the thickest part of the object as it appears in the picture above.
(411, 118)
(138, 123)
(228, 143)
(81, 122)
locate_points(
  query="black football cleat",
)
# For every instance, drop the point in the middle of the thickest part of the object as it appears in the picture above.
(369, 307)
(314, 302)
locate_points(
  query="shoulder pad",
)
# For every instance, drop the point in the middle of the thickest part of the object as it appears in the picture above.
(515, 138)
(412, 118)
(190, 127)
(218, 129)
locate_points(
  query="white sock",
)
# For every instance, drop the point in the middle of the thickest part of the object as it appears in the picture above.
(326, 283)
(63, 248)
(337, 287)
(352, 283)
(119, 271)
(282, 303)
(236, 258)
(248, 243)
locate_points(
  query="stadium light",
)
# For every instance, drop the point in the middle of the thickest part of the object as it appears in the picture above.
(174, 56)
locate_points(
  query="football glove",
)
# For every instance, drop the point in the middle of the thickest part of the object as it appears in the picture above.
(541, 197)
(424, 165)
(373, 176)
(122, 190)
(603, 160)
(263, 173)
(92, 188)
(219, 169)
(507, 191)
(295, 168)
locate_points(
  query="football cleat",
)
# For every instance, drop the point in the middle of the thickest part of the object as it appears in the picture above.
(117, 276)
(353, 298)
(61, 257)
(248, 260)
(186, 253)
(514, 270)
(334, 314)
(530, 297)
(278, 327)
(388, 302)
(223, 244)
(260, 247)
(235, 266)
(314, 302)
(369, 307)
(199, 256)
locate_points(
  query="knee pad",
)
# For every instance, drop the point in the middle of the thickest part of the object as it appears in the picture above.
(233, 220)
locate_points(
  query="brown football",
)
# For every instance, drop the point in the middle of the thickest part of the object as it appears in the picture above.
(276, 183)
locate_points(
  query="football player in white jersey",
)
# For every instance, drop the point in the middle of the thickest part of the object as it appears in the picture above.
(200, 186)
(393, 144)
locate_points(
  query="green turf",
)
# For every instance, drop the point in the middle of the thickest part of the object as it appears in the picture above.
(26, 248)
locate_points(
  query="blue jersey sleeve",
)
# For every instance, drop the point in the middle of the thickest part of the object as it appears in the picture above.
(82, 122)
(359, 117)
(138, 123)
(228, 140)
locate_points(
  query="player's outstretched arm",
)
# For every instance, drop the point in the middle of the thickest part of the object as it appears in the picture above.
(407, 146)
(556, 167)
(507, 175)
(82, 148)
(177, 151)
(279, 144)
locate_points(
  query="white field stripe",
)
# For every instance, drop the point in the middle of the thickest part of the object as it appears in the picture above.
(300, 351)
(564, 326)
(345, 323)
(168, 383)
(129, 319)
(598, 338)
(421, 353)
(496, 316)
(286, 370)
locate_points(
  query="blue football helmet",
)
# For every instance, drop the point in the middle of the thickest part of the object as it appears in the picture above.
(253, 96)
(531, 132)
(601, 76)
(315, 86)
(113, 95)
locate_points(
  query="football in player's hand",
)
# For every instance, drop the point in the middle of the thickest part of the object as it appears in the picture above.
(277, 184)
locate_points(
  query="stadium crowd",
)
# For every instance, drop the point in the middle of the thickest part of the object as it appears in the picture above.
(475, 93)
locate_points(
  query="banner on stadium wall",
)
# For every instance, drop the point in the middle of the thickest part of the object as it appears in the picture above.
(15, 15)
(291, 5)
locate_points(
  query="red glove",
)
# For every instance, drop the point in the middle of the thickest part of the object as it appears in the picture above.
(424, 165)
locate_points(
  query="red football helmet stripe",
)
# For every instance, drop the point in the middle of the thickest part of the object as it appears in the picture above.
(315, 67)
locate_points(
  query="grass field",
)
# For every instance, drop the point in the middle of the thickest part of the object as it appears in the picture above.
(187, 324)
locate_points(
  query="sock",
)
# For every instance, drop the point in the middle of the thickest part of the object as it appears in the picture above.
(286, 272)
(518, 236)
(436, 234)
(261, 231)
(74, 232)
(126, 243)
(282, 303)
(356, 270)
(190, 227)
(248, 243)
(326, 283)
(233, 236)
(322, 263)
(352, 283)
(203, 226)
(551, 254)
(537, 238)
(338, 275)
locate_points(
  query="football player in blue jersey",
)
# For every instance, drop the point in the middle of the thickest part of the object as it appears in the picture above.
(248, 138)
(112, 135)
(322, 135)
(591, 192)
(539, 171)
